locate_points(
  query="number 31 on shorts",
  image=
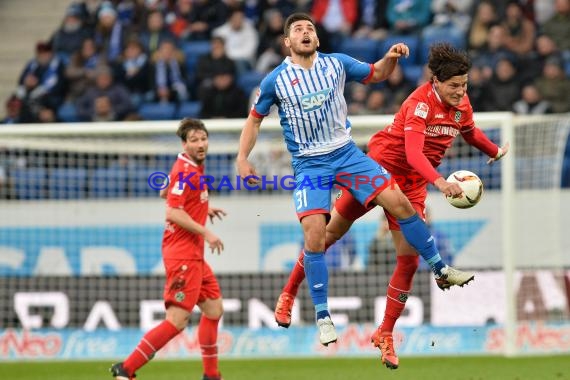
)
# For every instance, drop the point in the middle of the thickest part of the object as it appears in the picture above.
(301, 196)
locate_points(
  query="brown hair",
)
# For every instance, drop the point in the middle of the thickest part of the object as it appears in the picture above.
(294, 18)
(445, 61)
(187, 124)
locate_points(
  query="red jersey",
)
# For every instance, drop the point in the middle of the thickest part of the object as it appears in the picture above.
(184, 192)
(424, 112)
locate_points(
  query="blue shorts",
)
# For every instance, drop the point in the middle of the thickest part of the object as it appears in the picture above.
(347, 167)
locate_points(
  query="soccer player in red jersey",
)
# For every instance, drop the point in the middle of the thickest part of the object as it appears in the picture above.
(189, 279)
(410, 149)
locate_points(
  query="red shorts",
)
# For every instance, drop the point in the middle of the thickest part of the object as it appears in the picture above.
(189, 282)
(415, 190)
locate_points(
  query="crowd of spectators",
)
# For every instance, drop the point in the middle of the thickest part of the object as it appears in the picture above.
(111, 60)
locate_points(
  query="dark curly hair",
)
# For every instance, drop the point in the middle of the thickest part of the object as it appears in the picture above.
(445, 61)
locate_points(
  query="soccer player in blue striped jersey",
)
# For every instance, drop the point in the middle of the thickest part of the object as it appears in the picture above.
(308, 91)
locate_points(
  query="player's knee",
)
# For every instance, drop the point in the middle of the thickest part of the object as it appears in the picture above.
(401, 207)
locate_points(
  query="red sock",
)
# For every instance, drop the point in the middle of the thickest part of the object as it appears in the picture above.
(208, 339)
(151, 342)
(398, 289)
(297, 275)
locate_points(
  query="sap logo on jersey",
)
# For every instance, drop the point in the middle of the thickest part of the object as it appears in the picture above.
(315, 100)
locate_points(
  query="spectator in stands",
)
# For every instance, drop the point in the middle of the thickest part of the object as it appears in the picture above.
(531, 102)
(110, 34)
(13, 107)
(70, 36)
(532, 65)
(80, 72)
(169, 74)
(558, 26)
(396, 89)
(520, 31)
(494, 50)
(155, 33)
(179, 19)
(206, 15)
(454, 14)
(224, 99)
(554, 85)
(41, 84)
(372, 22)
(376, 103)
(241, 40)
(504, 87)
(408, 16)
(271, 30)
(451, 19)
(485, 17)
(338, 19)
(213, 63)
(89, 10)
(356, 98)
(272, 57)
(134, 71)
(477, 88)
(105, 100)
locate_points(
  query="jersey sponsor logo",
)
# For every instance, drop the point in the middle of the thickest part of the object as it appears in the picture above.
(315, 100)
(439, 130)
(457, 116)
(422, 110)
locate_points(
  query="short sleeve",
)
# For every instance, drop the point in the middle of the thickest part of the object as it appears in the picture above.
(355, 69)
(416, 116)
(265, 96)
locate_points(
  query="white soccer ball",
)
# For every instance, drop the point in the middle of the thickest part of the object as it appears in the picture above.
(471, 185)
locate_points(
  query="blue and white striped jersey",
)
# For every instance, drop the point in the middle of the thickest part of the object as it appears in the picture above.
(311, 102)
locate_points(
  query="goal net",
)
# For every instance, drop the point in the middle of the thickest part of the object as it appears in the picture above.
(81, 228)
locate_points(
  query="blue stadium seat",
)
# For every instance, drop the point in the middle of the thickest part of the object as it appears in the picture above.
(249, 80)
(192, 51)
(363, 49)
(434, 35)
(108, 183)
(138, 183)
(413, 72)
(157, 111)
(65, 183)
(412, 40)
(67, 113)
(29, 183)
(188, 109)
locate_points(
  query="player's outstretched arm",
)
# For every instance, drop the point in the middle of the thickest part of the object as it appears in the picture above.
(384, 67)
(479, 140)
(246, 143)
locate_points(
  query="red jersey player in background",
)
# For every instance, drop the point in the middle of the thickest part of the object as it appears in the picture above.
(410, 149)
(189, 279)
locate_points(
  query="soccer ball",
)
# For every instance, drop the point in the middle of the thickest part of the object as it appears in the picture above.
(472, 189)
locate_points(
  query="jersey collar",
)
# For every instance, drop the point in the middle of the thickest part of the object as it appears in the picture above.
(182, 156)
(297, 66)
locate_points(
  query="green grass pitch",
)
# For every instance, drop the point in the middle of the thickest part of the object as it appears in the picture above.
(448, 368)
